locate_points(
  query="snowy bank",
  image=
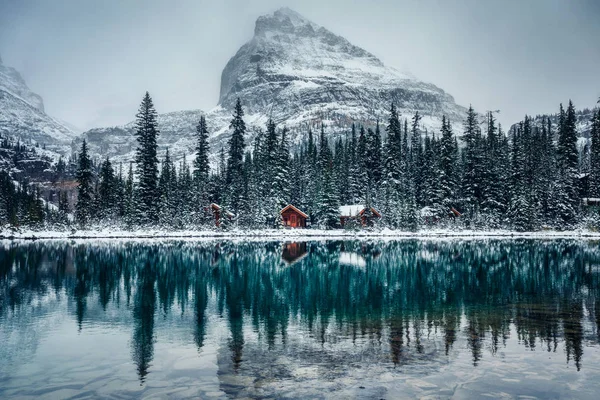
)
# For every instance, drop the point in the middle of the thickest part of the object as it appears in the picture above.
(290, 234)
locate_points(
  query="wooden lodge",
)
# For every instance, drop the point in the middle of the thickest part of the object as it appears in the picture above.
(358, 213)
(219, 213)
(292, 217)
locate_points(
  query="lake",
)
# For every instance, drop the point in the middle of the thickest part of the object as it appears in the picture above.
(317, 319)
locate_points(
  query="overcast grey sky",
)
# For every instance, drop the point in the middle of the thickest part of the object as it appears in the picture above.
(91, 61)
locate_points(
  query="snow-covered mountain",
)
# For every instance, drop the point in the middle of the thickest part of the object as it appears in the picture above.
(300, 74)
(584, 121)
(22, 115)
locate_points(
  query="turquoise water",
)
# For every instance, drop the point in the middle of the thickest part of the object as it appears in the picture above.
(329, 319)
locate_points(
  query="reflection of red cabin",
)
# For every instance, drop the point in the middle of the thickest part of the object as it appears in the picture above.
(293, 217)
(217, 211)
(357, 211)
(294, 252)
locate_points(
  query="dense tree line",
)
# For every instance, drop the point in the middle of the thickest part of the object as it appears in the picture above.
(22, 203)
(532, 177)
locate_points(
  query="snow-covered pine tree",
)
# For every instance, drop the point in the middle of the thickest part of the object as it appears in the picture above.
(107, 193)
(63, 207)
(431, 175)
(120, 194)
(328, 206)
(274, 174)
(416, 150)
(390, 189)
(186, 207)
(281, 178)
(492, 202)
(218, 180)
(146, 132)
(547, 173)
(235, 186)
(472, 167)
(340, 171)
(201, 175)
(519, 210)
(362, 153)
(354, 187)
(84, 176)
(167, 190)
(129, 196)
(374, 156)
(567, 158)
(298, 184)
(312, 179)
(595, 155)
(448, 162)
(247, 219)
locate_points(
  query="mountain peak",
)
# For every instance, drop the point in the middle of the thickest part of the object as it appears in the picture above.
(12, 82)
(284, 20)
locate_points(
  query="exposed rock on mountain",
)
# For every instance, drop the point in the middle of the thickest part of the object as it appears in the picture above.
(300, 74)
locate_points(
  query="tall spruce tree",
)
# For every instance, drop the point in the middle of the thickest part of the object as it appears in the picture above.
(167, 186)
(201, 174)
(354, 187)
(107, 193)
(595, 155)
(415, 158)
(567, 158)
(472, 174)
(328, 208)
(83, 209)
(492, 203)
(234, 181)
(147, 162)
(448, 160)
(390, 190)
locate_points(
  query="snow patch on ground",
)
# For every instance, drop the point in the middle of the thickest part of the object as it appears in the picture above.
(291, 234)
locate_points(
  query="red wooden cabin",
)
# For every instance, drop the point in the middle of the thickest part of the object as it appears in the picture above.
(357, 211)
(293, 217)
(217, 211)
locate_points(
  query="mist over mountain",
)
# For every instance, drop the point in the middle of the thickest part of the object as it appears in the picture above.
(301, 75)
(22, 115)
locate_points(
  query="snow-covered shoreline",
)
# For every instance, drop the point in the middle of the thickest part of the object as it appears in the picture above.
(289, 234)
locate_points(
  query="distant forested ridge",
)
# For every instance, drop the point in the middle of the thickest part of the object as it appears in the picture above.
(541, 174)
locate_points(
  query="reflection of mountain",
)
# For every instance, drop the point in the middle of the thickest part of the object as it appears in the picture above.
(410, 305)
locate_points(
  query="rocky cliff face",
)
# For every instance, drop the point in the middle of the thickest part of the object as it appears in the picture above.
(22, 115)
(296, 70)
(300, 74)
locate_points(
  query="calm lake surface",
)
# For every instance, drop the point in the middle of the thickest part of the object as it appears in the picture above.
(329, 319)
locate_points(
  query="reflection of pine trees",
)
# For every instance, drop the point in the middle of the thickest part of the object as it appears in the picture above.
(82, 288)
(201, 302)
(402, 299)
(142, 348)
(571, 313)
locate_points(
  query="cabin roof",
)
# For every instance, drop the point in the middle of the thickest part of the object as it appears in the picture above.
(217, 207)
(455, 212)
(291, 207)
(591, 201)
(354, 210)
